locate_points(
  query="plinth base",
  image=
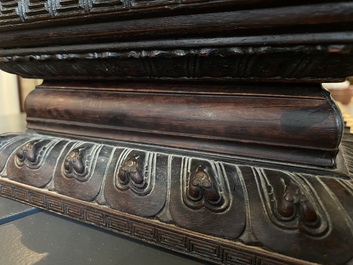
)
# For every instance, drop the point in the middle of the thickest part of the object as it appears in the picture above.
(220, 208)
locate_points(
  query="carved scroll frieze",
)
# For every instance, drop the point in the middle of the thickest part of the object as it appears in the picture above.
(228, 200)
(230, 63)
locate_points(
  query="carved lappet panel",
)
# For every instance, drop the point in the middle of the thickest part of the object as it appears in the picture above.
(8, 142)
(293, 208)
(244, 204)
(205, 195)
(137, 182)
(33, 162)
(81, 170)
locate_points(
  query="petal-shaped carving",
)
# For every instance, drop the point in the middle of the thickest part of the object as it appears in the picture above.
(28, 163)
(27, 152)
(299, 208)
(211, 193)
(81, 170)
(8, 144)
(137, 182)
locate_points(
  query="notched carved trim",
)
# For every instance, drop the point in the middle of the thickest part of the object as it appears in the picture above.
(175, 53)
(227, 63)
(22, 11)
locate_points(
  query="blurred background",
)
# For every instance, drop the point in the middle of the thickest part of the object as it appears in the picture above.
(13, 92)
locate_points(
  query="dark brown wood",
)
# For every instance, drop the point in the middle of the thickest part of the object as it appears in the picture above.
(198, 126)
(258, 121)
(242, 205)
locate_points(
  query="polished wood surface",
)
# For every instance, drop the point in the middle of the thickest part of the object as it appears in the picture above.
(259, 121)
(199, 126)
(31, 236)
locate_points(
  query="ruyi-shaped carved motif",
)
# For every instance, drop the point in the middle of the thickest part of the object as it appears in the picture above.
(244, 200)
(129, 171)
(79, 163)
(205, 186)
(73, 163)
(26, 152)
(81, 167)
(294, 203)
(201, 187)
(290, 202)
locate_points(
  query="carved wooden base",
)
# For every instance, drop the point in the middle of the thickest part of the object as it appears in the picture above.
(148, 128)
(216, 208)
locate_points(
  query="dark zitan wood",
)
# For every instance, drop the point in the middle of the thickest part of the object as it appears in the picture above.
(155, 134)
(189, 40)
(258, 121)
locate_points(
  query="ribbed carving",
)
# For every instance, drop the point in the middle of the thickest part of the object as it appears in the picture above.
(24, 10)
